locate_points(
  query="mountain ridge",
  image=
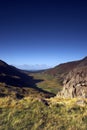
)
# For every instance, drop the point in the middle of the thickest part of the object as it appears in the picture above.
(63, 69)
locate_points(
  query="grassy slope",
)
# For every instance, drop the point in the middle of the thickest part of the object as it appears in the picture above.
(32, 114)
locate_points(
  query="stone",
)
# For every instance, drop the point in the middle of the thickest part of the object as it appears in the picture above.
(75, 83)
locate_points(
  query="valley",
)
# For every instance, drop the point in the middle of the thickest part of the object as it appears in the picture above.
(43, 100)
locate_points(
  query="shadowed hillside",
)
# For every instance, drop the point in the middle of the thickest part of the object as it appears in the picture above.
(15, 81)
(13, 76)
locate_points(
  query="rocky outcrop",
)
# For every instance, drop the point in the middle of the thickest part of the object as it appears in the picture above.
(75, 83)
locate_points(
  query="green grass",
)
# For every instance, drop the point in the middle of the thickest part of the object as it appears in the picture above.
(32, 114)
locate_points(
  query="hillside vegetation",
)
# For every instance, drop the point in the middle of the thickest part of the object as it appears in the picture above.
(34, 114)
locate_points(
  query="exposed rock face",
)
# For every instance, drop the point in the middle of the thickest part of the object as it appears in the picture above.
(75, 83)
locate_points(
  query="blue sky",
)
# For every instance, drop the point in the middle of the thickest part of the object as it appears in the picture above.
(43, 31)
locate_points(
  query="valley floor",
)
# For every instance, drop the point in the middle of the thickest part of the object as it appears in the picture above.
(49, 83)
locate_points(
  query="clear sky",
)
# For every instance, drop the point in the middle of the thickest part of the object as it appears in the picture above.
(43, 31)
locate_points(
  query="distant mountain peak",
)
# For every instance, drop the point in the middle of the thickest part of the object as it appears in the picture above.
(33, 67)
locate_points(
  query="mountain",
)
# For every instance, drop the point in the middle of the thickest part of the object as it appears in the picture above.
(13, 76)
(75, 82)
(72, 77)
(60, 71)
(33, 67)
(15, 82)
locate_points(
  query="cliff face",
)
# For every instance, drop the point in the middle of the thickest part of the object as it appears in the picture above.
(75, 83)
